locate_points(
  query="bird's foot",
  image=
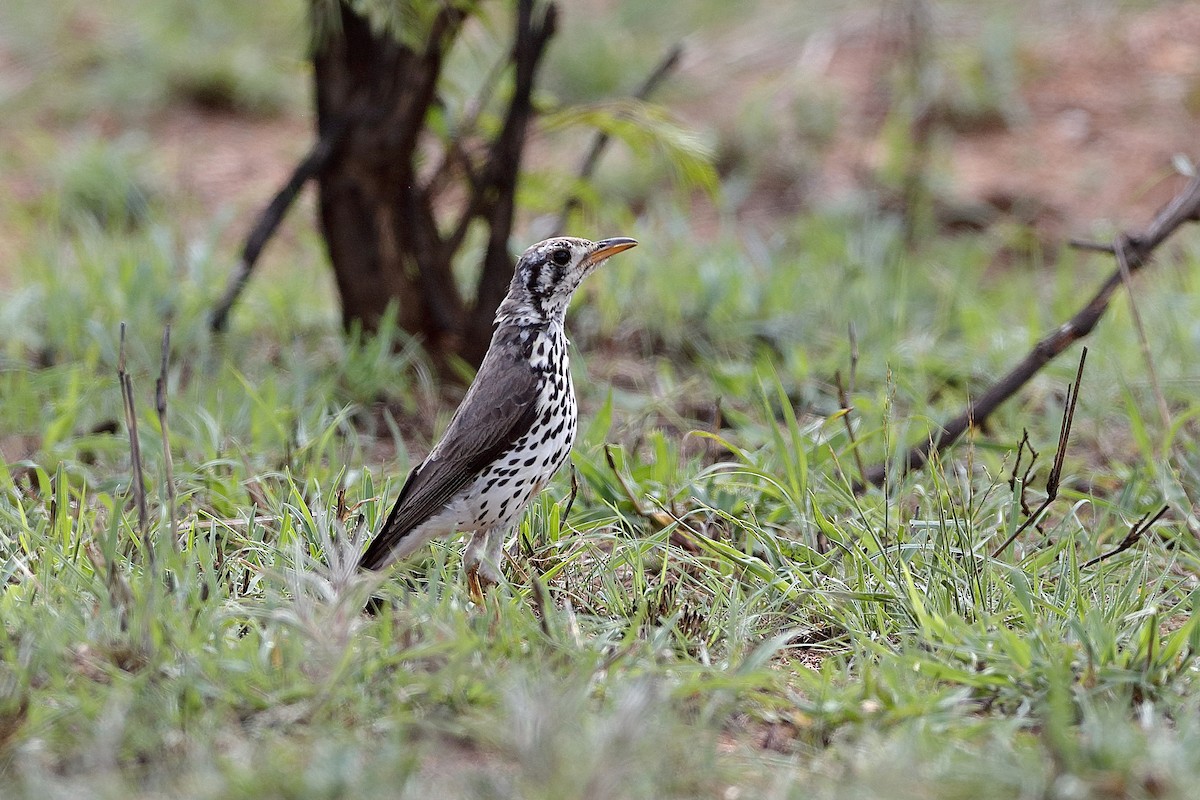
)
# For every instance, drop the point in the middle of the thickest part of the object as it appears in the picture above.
(479, 581)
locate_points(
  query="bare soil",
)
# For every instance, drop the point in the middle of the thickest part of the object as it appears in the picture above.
(1104, 106)
(1107, 104)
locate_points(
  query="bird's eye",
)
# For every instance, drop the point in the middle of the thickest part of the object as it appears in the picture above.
(561, 257)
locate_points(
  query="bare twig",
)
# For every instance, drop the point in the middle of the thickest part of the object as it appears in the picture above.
(852, 335)
(1185, 207)
(1084, 244)
(138, 485)
(1123, 262)
(1064, 433)
(1055, 477)
(600, 141)
(160, 405)
(1021, 445)
(844, 401)
(1026, 476)
(268, 221)
(1133, 537)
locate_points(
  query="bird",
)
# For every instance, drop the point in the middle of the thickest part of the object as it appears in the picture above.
(515, 425)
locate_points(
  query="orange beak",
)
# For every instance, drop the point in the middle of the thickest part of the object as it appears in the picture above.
(608, 247)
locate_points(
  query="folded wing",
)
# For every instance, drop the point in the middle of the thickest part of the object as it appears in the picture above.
(499, 408)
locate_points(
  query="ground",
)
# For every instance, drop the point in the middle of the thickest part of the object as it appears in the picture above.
(719, 614)
(1104, 103)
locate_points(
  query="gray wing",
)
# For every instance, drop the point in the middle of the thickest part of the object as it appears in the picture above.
(498, 409)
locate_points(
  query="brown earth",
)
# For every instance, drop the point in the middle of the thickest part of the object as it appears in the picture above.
(1106, 105)
(1108, 111)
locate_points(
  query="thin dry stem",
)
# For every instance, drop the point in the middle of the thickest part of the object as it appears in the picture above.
(135, 450)
(1133, 537)
(1164, 412)
(160, 405)
(571, 497)
(844, 401)
(1054, 479)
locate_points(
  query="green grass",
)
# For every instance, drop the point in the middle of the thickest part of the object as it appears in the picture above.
(718, 616)
(870, 639)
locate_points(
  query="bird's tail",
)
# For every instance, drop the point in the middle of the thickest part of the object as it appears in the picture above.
(397, 539)
(379, 553)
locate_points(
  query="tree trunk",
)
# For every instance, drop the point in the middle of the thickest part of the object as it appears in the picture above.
(378, 213)
(381, 90)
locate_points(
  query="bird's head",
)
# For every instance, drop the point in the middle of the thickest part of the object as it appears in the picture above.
(548, 273)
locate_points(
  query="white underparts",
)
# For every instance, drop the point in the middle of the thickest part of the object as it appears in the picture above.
(495, 501)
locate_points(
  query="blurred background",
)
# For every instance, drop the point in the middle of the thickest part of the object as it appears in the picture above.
(1060, 113)
(905, 172)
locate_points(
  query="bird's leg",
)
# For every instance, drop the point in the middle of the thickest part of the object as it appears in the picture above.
(482, 560)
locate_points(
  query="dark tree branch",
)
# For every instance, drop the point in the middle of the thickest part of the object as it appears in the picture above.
(475, 177)
(665, 67)
(440, 296)
(1137, 248)
(439, 293)
(379, 229)
(1084, 244)
(333, 130)
(412, 89)
(494, 197)
(455, 152)
(1133, 537)
(416, 220)
(268, 221)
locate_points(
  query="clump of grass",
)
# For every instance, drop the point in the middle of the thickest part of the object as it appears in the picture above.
(102, 183)
(123, 61)
(243, 83)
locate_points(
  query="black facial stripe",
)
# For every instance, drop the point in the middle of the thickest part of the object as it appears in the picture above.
(533, 277)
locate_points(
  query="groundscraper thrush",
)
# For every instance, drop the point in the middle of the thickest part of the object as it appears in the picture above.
(515, 425)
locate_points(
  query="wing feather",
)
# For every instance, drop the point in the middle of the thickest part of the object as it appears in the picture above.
(498, 408)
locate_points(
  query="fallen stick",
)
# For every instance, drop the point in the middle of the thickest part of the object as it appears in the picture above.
(1136, 249)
